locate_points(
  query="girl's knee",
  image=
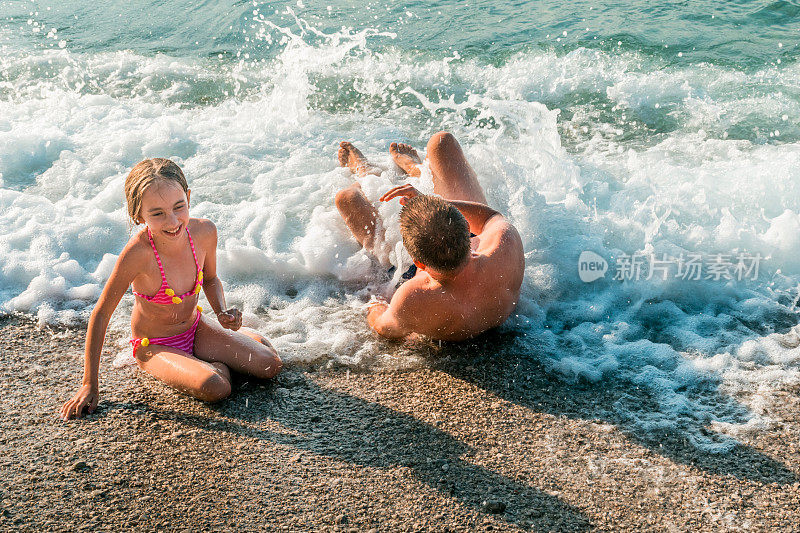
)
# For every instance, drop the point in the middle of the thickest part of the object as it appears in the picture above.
(277, 365)
(269, 365)
(214, 387)
(256, 336)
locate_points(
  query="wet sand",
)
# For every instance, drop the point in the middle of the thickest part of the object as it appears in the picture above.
(465, 442)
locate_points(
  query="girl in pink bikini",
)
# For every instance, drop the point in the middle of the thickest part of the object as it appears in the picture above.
(172, 259)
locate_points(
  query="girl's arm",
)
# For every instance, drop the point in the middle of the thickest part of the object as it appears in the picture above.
(116, 286)
(212, 285)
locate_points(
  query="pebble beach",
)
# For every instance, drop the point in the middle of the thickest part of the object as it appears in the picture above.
(463, 442)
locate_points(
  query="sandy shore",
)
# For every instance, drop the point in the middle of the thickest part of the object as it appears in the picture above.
(464, 443)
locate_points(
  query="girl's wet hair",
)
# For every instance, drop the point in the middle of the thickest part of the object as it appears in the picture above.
(144, 174)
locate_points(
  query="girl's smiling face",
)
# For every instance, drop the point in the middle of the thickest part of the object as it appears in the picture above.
(165, 209)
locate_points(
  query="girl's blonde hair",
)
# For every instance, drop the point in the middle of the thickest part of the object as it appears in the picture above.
(144, 174)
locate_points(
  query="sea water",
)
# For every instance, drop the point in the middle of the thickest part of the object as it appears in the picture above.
(632, 130)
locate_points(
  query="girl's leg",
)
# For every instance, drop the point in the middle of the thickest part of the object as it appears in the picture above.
(245, 352)
(453, 178)
(205, 381)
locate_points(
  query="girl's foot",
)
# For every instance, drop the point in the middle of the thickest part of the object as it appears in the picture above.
(406, 158)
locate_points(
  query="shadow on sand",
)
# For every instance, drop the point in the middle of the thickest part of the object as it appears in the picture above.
(523, 380)
(347, 428)
(343, 427)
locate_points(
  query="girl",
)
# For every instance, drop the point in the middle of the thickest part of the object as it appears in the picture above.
(167, 264)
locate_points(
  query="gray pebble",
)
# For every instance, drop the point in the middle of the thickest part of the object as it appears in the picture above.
(493, 506)
(81, 466)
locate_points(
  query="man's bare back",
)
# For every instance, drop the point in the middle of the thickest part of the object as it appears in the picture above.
(446, 305)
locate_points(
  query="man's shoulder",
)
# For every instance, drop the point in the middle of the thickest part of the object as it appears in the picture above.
(421, 303)
(416, 293)
(499, 235)
(498, 224)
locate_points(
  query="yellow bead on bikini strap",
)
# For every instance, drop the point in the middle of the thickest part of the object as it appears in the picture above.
(200, 308)
(176, 300)
(197, 289)
(145, 342)
(169, 292)
(200, 277)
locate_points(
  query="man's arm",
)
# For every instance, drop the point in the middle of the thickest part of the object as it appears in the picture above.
(477, 214)
(382, 318)
(397, 318)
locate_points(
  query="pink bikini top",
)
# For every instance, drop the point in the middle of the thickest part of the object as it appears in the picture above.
(165, 295)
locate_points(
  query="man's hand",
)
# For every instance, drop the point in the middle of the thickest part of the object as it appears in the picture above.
(87, 397)
(376, 307)
(230, 319)
(403, 191)
(383, 320)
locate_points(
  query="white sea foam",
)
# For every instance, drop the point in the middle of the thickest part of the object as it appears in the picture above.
(258, 146)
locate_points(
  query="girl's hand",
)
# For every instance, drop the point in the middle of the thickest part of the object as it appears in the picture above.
(230, 319)
(87, 396)
(403, 191)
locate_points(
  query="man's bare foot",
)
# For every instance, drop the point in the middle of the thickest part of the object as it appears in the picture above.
(406, 158)
(350, 156)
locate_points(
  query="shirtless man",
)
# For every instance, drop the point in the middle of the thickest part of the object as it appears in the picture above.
(465, 284)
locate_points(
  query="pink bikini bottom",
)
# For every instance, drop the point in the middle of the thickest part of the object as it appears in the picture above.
(182, 341)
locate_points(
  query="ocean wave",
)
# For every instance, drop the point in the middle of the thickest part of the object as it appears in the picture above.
(616, 153)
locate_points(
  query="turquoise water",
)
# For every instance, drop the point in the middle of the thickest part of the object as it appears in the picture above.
(745, 34)
(616, 128)
(757, 39)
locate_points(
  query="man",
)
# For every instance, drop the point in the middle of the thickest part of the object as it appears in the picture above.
(469, 258)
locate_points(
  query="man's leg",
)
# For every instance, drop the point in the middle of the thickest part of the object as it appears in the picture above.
(453, 178)
(357, 211)
(406, 158)
(350, 156)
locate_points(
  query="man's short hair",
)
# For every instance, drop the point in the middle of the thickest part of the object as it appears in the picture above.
(434, 232)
